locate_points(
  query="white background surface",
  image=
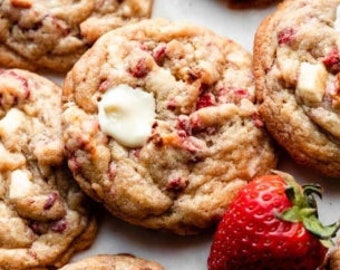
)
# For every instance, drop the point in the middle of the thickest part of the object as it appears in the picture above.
(176, 252)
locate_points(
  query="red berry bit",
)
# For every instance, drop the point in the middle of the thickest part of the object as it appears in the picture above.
(171, 105)
(257, 121)
(184, 125)
(285, 36)
(192, 145)
(241, 93)
(112, 170)
(140, 70)
(134, 153)
(59, 226)
(332, 61)
(51, 199)
(75, 165)
(197, 123)
(232, 94)
(104, 85)
(159, 53)
(205, 100)
(177, 184)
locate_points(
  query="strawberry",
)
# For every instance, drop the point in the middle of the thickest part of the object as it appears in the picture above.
(272, 224)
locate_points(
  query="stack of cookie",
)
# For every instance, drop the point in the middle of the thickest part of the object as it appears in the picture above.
(157, 121)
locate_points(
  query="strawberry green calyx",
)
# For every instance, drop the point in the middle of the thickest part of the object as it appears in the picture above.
(304, 209)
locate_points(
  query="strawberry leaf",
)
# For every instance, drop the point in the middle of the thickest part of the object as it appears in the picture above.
(292, 214)
(304, 209)
(313, 225)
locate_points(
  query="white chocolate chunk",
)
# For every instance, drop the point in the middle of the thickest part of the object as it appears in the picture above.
(20, 184)
(127, 115)
(337, 19)
(289, 64)
(311, 83)
(12, 121)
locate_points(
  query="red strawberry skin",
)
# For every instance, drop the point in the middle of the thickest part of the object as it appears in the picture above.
(250, 236)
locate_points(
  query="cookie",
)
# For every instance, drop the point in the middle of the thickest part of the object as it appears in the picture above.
(43, 213)
(332, 261)
(296, 66)
(38, 34)
(160, 124)
(113, 262)
(335, 259)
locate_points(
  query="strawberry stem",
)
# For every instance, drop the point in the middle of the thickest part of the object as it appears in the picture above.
(304, 209)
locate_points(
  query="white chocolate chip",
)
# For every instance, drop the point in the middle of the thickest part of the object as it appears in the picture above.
(311, 83)
(127, 115)
(20, 184)
(12, 121)
(337, 19)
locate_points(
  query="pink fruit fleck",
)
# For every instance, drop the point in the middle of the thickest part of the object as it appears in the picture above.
(171, 105)
(159, 53)
(59, 226)
(184, 124)
(140, 70)
(257, 121)
(74, 165)
(205, 100)
(332, 61)
(177, 184)
(52, 197)
(285, 36)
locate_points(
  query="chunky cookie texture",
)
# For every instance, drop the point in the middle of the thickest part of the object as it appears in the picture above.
(43, 214)
(113, 262)
(206, 139)
(297, 64)
(39, 34)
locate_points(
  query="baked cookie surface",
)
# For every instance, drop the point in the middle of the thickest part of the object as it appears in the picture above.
(42, 210)
(296, 66)
(334, 263)
(160, 124)
(39, 34)
(113, 262)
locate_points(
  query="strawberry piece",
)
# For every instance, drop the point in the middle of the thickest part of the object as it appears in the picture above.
(205, 100)
(177, 184)
(59, 226)
(285, 36)
(332, 61)
(159, 53)
(271, 224)
(140, 70)
(51, 199)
